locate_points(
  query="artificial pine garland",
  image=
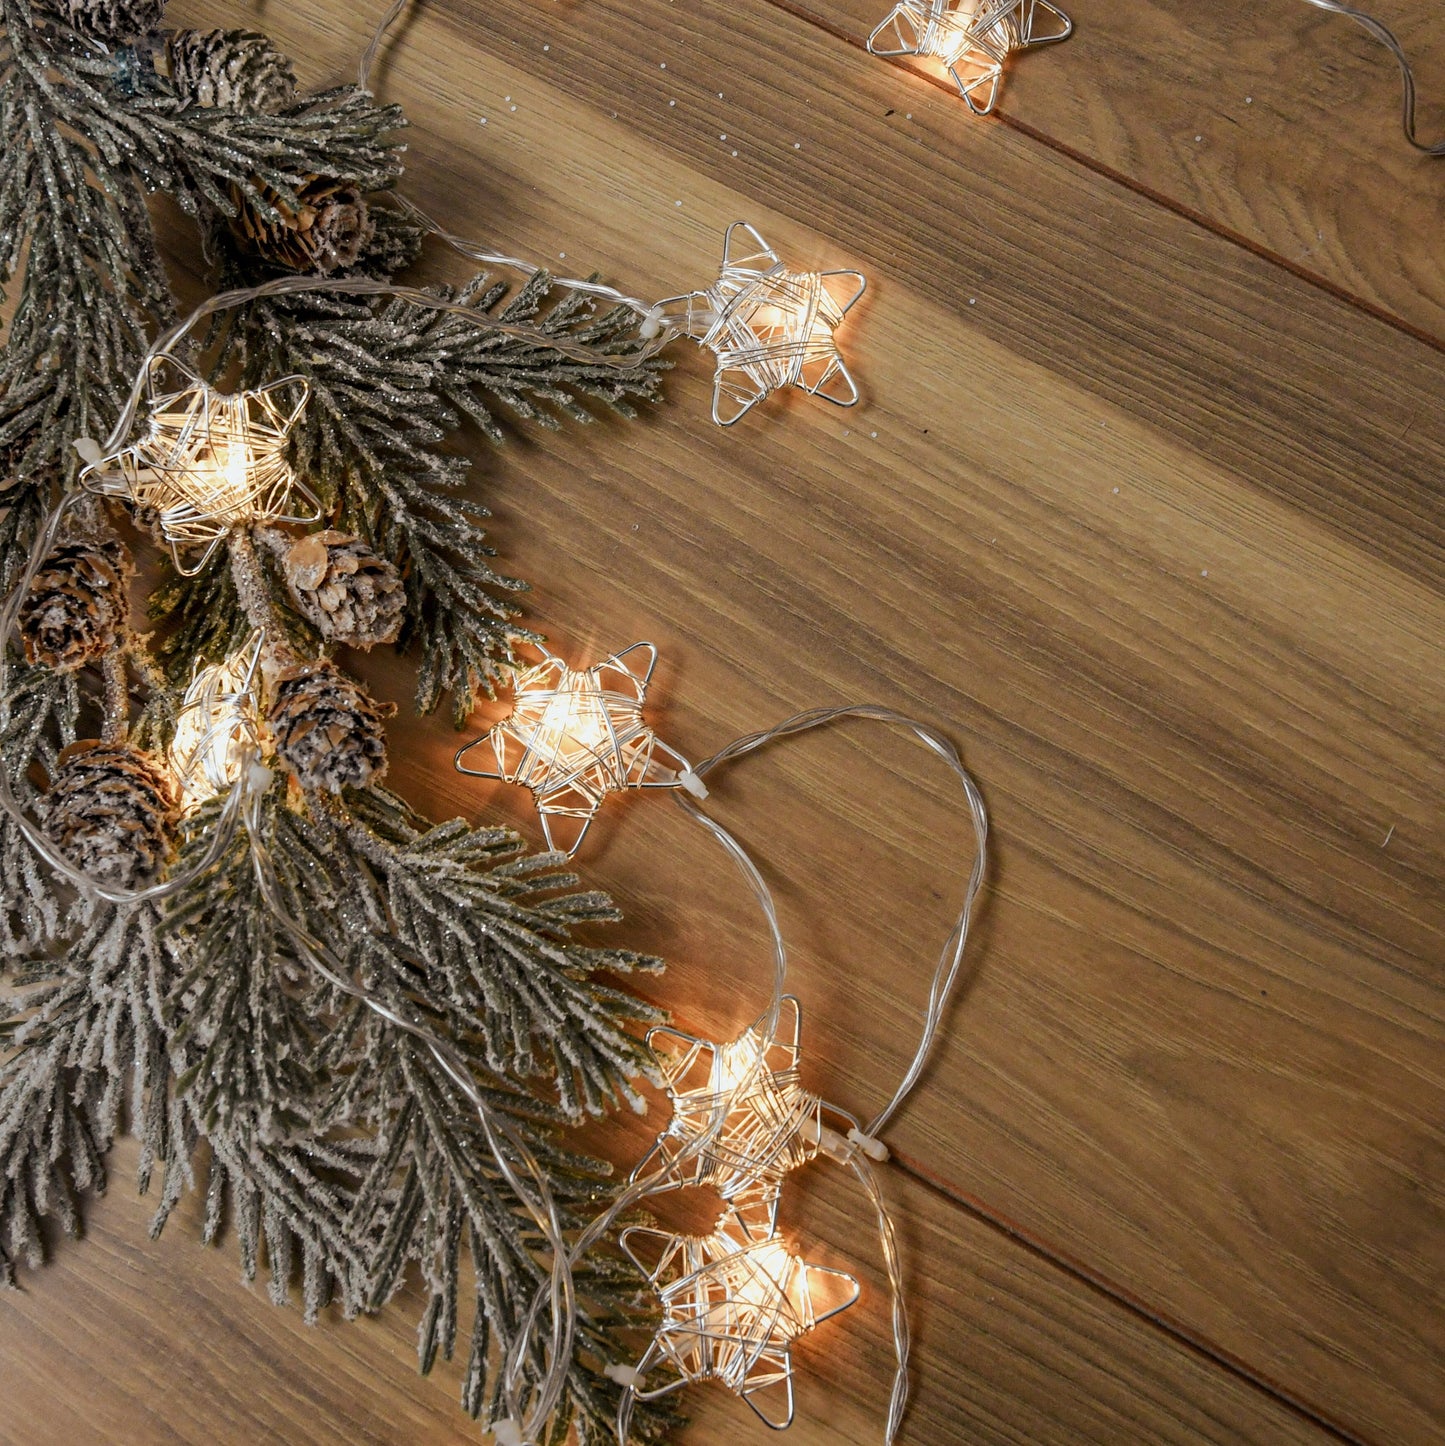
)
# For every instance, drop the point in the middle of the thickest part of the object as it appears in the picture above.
(332, 1138)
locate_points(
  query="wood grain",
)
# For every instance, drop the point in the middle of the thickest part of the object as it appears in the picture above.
(1152, 525)
(1276, 123)
(122, 1340)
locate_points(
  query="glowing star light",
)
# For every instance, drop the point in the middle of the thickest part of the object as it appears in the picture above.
(217, 728)
(769, 327)
(209, 462)
(732, 1306)
(576, 735)
(754, 1114)
(972, 39)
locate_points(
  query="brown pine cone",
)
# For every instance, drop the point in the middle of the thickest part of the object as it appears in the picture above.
(110, 809)
(328, 731)
(229, 69)
(341, 586)
(76, 604)
(326, 231)
(110, 21)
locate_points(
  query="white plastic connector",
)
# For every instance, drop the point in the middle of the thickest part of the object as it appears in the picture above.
(829, 1142)
(623, 1375)
(651, 324)
(258, 778)
(874, 1149)
(89, 450)
(692, 783)
(507, 1433)
(841, 1147)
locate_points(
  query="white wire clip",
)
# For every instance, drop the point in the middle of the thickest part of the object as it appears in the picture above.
(623, 1375)
(507, 1433)
(839, 1147)
(876, 1150)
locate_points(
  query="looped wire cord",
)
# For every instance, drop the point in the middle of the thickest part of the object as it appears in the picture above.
(945, 978)
(1386, 37)
(945, 975)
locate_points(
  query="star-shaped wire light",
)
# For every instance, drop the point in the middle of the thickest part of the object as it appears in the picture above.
(217, 726)
(209, 462)
(972, 39)
(576, 735)
(732, 1306)
(757, 1119)
(769, 327)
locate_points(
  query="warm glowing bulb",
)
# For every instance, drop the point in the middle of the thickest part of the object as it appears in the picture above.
(217, 731)
(732, 1306)
(574, 736)
(210, 462)
(971, 39)
(769, 327)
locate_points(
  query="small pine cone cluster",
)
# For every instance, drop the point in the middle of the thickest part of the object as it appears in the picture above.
(327, 230)
(342, 587)
(110, 21)
(229, 69)
(76, 604)
(328, 730)
(111, 809)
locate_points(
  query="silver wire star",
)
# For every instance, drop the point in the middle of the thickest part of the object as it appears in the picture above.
(732, 1306)
(576, 735)
(972, 39)
(769, 327)
(209, 462)
(217, 726)
(758, 1120)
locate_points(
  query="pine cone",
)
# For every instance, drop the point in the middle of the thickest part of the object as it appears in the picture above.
(110, 809)
(346, 590)
(327, 230)
(76, 604)
(110, 21)
(229, 69)
(328, 730)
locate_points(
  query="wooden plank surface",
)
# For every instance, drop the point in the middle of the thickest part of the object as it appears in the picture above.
(123, 1340)
(1151, 525)
(1277, 123)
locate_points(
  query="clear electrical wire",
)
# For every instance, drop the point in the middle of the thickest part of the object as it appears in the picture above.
(1386, 37)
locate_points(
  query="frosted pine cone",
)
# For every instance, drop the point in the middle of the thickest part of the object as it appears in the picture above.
(346, 590)
(76, 604)
(229, 69)
(328, 730)
(110, 809)
(110, 21)
(327, 229)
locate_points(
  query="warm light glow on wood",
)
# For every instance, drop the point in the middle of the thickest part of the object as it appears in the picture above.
(971, 39)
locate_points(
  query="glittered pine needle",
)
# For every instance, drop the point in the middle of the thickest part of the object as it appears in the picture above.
(971, 39)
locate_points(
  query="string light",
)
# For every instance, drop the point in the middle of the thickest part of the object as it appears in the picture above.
(741, 1118)
(209, 462)
(732, 1306)
(217, 729)
(575, 735)
(971, 39)
(769, 327)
